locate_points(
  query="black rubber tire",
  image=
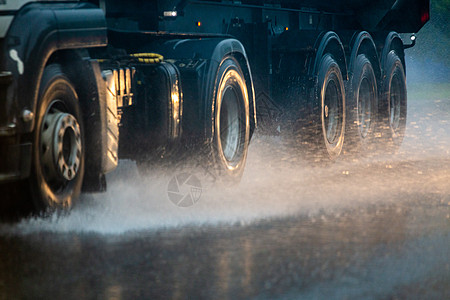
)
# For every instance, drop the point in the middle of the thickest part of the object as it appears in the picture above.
(393, 104)
(322, 135)
(231, 122)
(57, 95)
(362, 107)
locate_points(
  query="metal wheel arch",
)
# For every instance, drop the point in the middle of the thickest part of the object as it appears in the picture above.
(363, 43)
(329, 42)
(394, 42)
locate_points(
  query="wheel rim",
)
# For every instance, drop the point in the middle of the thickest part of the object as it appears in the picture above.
(366, 98)
(396, 95)
(332, 115)
(230, 125)
(60, 146)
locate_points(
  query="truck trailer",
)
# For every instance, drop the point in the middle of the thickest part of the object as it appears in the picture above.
(86, 83)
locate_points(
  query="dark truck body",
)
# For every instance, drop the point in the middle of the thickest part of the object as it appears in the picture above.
(384, 15)
(277, 44)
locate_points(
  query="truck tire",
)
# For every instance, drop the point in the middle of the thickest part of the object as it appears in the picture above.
(58, 143)
(362, 107)
(323, 136)
(393, 104)
(231, 121)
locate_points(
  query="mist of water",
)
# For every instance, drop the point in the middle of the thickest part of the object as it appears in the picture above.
(277, 182)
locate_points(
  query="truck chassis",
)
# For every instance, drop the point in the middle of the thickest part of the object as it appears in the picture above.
(84, 83)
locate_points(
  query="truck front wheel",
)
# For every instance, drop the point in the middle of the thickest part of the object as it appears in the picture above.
(58, 143)
(231, 123)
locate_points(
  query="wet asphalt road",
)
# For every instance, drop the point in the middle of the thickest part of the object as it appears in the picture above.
(368, 228)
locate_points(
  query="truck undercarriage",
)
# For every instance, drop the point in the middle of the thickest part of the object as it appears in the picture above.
(84, 83)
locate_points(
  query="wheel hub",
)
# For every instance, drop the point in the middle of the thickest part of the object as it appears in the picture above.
(395, 103)
(230, 127)
(331, 113)
(60, 146)
(365, 102)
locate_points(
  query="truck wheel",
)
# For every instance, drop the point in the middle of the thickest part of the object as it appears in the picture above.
(362, 106)
(58, 143)
(325, 134)
(393, 106)
(231, 123)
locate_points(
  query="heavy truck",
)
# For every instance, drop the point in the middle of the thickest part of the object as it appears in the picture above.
(85, 83)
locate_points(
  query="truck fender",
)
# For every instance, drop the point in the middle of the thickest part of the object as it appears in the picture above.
(362, 42)
(329, 42)
(37, 31)
(393, 42)
(207, 54)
